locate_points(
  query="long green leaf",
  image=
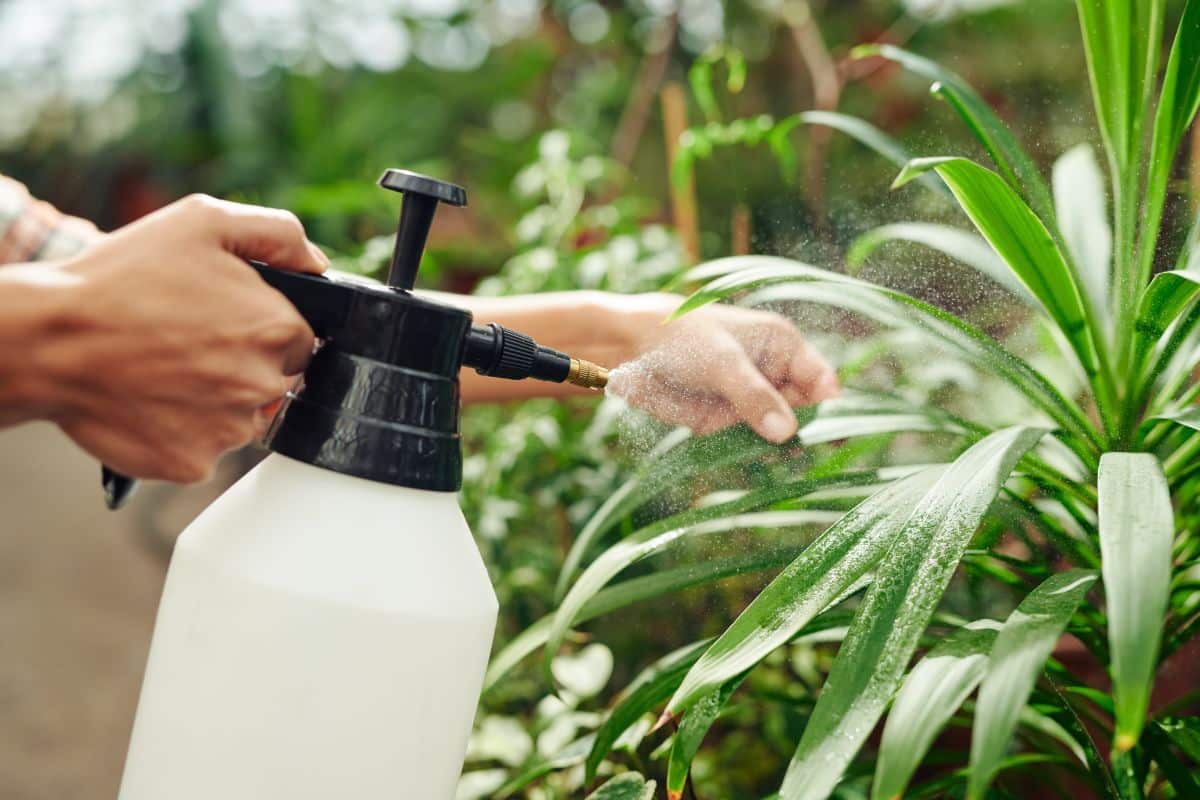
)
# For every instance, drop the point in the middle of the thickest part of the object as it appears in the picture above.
(1137, 528)
(637, 590)
(1021, 649)
(729, 276)
(1013, 162)
(1079, 203)
(626, 786)
(680, 457)
(860, 130)
(656, 538)
(961, 245)
(692, 728)
(652, 686)
(1185, 733)
(931, 694)
(908, 586)
(569, 756)
(846, 552)
(722, 518)
(1121, 41)
(1161, 305)
(1177, 107)
(1021, 239)
(1185, 781)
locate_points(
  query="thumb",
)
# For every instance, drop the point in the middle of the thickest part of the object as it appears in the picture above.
(268, 234)
(757, 402)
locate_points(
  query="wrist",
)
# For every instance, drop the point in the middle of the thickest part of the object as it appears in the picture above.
(38, 317)
(633, 323)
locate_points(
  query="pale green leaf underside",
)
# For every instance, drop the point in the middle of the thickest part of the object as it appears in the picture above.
(1017, 658)
(960, 245)
(1082, 212)
(932, 692)
(1136, 533)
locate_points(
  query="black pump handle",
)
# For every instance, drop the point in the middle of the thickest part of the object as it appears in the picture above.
(421, 196)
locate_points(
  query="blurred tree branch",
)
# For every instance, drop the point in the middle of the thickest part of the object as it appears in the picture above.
(641, 99)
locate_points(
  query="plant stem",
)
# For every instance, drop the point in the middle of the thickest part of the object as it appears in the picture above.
(1180, 460)
(1125, 287)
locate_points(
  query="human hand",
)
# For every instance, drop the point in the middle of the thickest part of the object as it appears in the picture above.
(168, 345)
(719, 365)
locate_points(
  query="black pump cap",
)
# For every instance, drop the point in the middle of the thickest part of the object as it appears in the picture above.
(421, 196)
(380, 398)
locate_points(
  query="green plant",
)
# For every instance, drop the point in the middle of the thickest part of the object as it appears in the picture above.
(1093, 498)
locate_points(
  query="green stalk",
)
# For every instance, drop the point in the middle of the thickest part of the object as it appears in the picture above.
(1181, 459)
(1125, 288)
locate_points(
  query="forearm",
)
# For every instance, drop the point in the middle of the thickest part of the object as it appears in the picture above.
(596, 326)
(33, 317)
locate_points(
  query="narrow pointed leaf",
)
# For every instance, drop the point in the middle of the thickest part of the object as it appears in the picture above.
(1189, 254)
(1021, 239)
(729, 276)
(1136, 532)
(960, 245)
(863, 132)
(1121, 42)
(626, 786)
(1017, 658)
(1185, 733)
(644, 693)
(1082, 213)
(680, 457)
(1184, 780)
(1164, 300)
(1013, 162)
(931, 694)
(569, 756)
(654, 539)
(1176, 109)
(1036, 721)
(887, 627)
(637, 590)
(690, 735)
(833, 563)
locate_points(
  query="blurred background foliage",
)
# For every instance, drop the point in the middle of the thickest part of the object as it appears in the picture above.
(550, 113)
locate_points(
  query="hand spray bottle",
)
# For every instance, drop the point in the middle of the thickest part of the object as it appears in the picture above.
(326, 623)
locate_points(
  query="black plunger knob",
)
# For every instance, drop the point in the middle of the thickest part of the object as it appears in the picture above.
(421, 196)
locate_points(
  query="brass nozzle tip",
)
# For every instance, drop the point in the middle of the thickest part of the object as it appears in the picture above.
(586, 374)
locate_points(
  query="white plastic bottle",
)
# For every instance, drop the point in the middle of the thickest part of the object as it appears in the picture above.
(326, 623)
(320, 636)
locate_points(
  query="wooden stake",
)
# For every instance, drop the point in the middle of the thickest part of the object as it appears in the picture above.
(683, 192)
(740, 230)
(1194, 169)
(641, 98)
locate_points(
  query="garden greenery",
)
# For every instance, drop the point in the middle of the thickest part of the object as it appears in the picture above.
(1097, 488)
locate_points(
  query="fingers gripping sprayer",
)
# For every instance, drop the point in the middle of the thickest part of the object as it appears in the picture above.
(325, 624)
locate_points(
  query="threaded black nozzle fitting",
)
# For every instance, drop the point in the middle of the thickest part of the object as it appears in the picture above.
(499, 352)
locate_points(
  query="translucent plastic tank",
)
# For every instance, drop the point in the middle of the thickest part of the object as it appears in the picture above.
(320, 636)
